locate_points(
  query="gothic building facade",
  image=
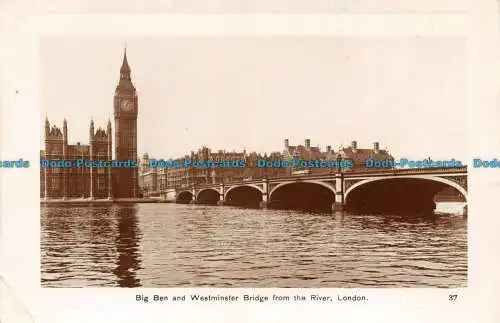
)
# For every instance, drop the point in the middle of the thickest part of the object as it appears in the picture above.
(66, 171)
(125, 113)
(73, 180)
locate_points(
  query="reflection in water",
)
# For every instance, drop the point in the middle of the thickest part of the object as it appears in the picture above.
(127, 247)
(90, 246)
(163, 245)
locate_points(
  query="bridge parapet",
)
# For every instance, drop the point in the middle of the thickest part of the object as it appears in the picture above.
(395, 171)
(328, 175)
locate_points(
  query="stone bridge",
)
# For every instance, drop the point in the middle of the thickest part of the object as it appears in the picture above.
(368, 190)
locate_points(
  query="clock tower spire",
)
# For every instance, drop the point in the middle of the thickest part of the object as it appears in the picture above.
(125, 67)
(125, 84)
(125, 113)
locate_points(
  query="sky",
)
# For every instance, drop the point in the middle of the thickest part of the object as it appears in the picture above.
(251, 93)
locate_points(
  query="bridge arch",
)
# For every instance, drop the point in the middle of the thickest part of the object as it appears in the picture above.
(307, 195)
(324, 184)
(245, 195)
(244, 185)
(206, 189)
(443, 180)
(184, 197)
(208, 196)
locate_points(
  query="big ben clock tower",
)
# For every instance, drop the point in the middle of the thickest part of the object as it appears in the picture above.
(125, 112)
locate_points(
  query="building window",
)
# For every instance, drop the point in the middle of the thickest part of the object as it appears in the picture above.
(100, 183)
(55, 183)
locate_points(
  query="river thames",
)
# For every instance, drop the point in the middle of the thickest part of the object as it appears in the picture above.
(176, 245)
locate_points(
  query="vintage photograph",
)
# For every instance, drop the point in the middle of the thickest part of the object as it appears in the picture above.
(253, 161)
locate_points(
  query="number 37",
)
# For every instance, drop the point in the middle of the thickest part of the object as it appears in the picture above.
(452, 297)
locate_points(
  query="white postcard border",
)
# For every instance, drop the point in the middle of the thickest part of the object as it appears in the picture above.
(20, 206)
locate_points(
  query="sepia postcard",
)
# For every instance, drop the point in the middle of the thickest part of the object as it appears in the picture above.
(168, 164)
(253, 162)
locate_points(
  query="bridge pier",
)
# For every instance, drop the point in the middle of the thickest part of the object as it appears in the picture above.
(338, 207)
(221, 202)
(339, 204)
(193, 200)
(265, 195)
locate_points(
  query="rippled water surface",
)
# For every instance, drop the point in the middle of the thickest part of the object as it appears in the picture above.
(165, 245)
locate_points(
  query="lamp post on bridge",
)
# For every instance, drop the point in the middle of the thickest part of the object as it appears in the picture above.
(263, 204)
(338, 204)
(339, 169)
(193, 191)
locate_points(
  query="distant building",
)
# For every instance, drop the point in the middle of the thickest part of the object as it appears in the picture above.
(303, 152)
(182, 176)
(148, 177)
(359, 156)
(252, 170)
(356, 155)
(164, 178)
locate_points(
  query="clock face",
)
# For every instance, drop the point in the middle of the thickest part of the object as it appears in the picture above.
(126, 105)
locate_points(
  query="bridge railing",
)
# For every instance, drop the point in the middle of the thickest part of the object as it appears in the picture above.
(433, 170)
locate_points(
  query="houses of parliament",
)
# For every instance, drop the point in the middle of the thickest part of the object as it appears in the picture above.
(127, 183)
(95, 182)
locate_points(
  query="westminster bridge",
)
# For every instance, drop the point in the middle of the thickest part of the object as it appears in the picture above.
(367, 190)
